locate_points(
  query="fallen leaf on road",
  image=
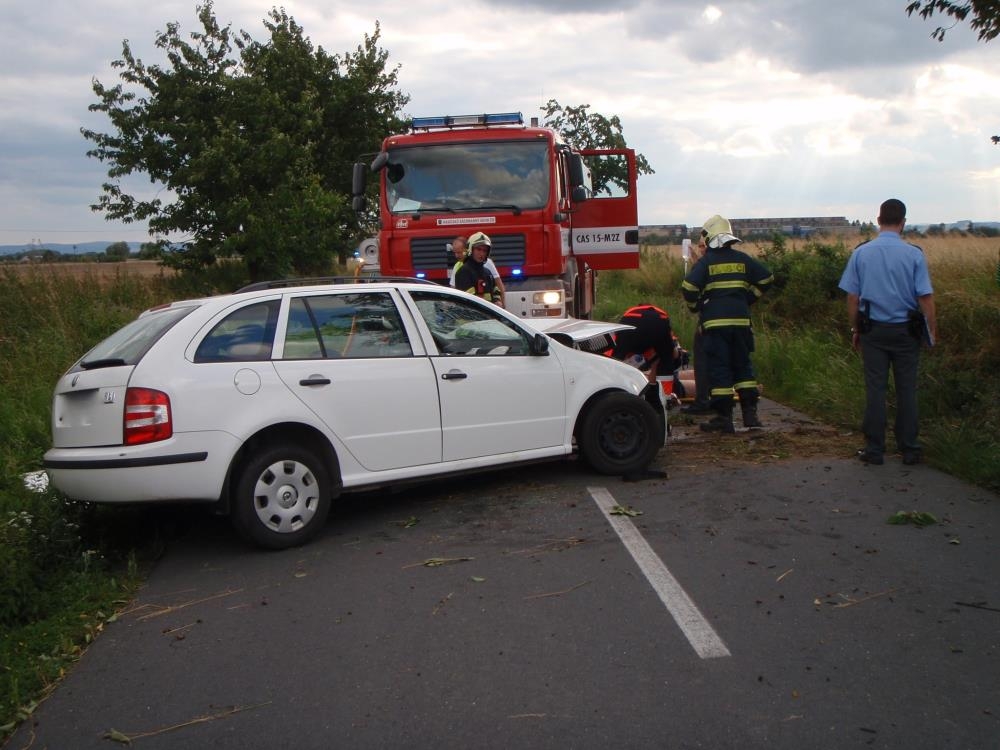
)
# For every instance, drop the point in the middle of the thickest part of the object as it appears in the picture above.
(625, 510)
(917, 518)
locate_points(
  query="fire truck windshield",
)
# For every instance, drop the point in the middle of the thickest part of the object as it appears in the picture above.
(453, 177)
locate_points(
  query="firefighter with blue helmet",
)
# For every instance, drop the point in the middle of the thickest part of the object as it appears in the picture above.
(721, 287)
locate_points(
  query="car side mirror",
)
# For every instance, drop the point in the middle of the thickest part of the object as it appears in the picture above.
(539, 345)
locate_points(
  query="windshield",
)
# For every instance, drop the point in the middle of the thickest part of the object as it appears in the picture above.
(468, 177)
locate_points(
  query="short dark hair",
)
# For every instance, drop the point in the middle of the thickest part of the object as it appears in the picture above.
(893, 211)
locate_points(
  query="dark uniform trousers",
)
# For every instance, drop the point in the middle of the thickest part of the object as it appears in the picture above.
(727, 355)
(890, 345)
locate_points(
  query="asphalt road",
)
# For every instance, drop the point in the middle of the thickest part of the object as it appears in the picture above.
(750, 606)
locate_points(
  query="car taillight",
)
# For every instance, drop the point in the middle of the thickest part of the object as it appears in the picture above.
(147, 416)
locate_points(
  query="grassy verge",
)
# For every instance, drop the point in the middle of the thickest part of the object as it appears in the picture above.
(804, 357)
(65, 568)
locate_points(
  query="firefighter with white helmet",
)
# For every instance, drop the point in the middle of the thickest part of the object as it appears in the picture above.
(473, 276)
(720, 288)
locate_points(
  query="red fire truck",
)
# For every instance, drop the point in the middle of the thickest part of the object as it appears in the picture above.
(523, 186)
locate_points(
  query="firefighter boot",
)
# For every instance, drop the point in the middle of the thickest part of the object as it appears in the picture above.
(721, 422)
(750, 418)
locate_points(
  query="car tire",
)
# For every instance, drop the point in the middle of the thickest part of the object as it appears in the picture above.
(620, 434)
(282, 497)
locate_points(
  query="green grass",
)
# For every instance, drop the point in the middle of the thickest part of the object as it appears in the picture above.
(804, 357)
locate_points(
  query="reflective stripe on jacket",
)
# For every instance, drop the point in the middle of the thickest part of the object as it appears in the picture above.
(722, 286)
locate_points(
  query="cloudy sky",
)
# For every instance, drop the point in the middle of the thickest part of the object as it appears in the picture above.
(745, 108)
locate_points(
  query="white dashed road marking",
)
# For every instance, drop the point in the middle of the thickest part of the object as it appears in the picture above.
(695, 627)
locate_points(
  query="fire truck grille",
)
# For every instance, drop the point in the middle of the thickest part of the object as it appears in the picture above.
(429, 252)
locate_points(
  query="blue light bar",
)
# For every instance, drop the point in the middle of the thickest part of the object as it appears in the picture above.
(421, 275)
(430, 122)
(457, 121)
(515, 272)
(505, 118)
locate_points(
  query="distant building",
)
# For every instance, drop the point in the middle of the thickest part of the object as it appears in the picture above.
(797, 226)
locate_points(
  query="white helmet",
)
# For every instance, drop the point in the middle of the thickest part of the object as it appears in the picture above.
(481, 238)
(718, 232)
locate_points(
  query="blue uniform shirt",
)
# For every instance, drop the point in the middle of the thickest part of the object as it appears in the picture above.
(888, 273)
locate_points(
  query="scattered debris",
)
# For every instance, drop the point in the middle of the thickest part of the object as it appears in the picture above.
(126, 739)
(440, 605)
(175, 607)
(435, 562)
(552, 545)
(36, 481)
(917, 518)
(776, 580)
(476, 579)
(557, 593)
(407, 523)
(978, 605)
(851, 602)
(625, 510)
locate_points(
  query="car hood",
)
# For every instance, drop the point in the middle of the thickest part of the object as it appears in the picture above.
(573, 329)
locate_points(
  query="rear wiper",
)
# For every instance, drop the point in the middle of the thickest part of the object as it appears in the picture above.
(97, 364)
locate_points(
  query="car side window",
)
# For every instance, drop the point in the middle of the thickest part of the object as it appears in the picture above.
(355, 326)
(467, 328)
(245, 335)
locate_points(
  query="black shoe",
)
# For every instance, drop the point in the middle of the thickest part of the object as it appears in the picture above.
(718, 424)
(751, 420)
(911, 459)
(868, 457)
(696, 408)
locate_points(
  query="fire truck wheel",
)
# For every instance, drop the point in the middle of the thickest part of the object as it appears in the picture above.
(619, 434)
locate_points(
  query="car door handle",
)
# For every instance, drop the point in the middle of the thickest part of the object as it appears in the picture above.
(454, 375)
(315, 380)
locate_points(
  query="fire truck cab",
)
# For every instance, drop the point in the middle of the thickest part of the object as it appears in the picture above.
(555, 215)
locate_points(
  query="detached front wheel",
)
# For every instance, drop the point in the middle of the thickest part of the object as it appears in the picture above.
(282, 497)
(621, 434)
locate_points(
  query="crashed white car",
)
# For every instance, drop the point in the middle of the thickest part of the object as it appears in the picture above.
(274, 400)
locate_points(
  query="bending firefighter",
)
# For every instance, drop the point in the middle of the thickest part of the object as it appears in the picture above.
(473, 275)
(720, 288)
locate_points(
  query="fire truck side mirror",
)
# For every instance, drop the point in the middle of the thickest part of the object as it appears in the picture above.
(580, 194)
(358, 180)
(577, 171)
(359, 177)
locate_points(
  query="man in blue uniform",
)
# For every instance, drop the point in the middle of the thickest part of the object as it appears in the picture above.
(890, 307)
(720, 288)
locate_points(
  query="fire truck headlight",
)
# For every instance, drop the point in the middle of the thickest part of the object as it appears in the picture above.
(547, 298)
(515, 272)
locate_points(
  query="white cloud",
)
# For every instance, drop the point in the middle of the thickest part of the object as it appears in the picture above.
(785, 107)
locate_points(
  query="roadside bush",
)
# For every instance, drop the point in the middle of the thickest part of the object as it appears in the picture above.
(805, 288)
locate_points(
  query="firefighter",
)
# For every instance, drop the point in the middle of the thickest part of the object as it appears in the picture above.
(473, 276)
(650, 344)
(720, 288)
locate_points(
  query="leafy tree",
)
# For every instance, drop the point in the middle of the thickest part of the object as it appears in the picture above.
(584, 129)
(150, 251)
(985, 15)
(254, 140)
(117, 252)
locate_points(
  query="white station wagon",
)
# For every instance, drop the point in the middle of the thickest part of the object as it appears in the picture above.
(274, 400)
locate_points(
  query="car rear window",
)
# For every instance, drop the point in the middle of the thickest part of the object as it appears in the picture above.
(127, 345)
